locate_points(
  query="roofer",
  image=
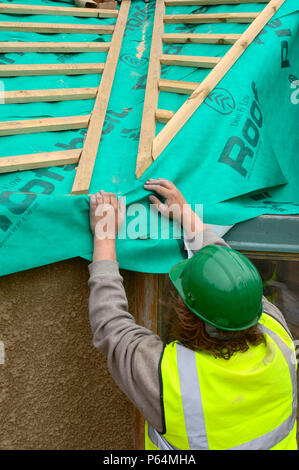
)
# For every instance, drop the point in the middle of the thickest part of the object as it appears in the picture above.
(227, 377)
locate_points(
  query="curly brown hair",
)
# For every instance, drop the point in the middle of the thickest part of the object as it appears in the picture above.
(190, 330)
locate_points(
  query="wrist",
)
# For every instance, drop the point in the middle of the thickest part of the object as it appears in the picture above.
(192, 224)
(104, 249)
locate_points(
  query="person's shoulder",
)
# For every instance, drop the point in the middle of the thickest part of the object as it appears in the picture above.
(271, 311)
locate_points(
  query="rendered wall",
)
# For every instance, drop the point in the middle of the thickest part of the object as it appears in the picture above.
(56, 391)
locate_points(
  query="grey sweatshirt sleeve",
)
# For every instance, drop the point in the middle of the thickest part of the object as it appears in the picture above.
(206, 237)
(133, 352)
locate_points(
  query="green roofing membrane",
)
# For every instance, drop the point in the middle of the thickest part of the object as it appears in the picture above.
(237, 155)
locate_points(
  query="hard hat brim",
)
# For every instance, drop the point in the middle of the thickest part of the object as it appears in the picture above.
(175, 275)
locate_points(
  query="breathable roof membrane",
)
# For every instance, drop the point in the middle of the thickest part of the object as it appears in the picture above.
(237, 155)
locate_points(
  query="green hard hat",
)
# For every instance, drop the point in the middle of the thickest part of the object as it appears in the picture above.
(220, 286)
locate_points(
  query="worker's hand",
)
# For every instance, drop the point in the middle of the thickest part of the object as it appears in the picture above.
(174, 205)
(106, 215)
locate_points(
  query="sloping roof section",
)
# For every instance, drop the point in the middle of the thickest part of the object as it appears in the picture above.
(152, 145)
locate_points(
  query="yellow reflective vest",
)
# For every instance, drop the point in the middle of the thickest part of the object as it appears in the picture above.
(247, 402)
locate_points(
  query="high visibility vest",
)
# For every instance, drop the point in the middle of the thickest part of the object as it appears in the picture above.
(245, 403)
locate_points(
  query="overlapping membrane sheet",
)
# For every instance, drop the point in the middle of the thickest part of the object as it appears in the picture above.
(237, 155)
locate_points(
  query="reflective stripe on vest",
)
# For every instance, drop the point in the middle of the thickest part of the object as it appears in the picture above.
(159, 440)
(193, 409)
